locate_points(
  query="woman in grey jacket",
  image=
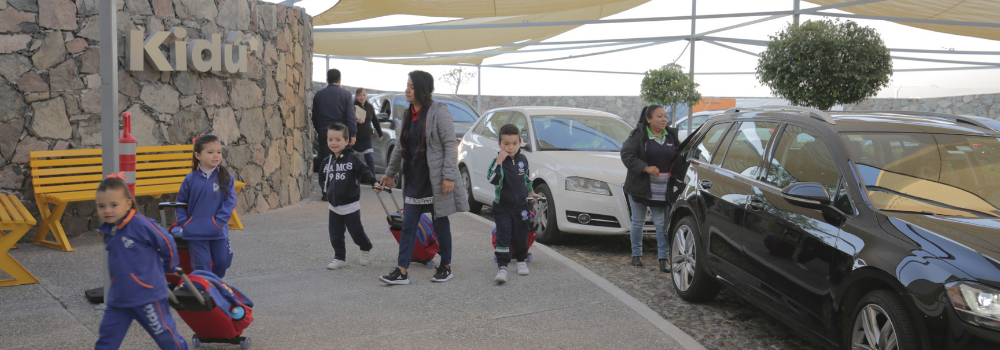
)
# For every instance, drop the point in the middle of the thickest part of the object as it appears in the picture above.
(426, 157)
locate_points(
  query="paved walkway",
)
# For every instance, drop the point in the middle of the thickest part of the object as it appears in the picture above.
(281, 264)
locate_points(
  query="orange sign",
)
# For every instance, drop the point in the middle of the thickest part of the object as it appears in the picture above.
(708, 104)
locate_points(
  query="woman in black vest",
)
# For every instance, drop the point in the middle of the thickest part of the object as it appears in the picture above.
(366, 128)
(648, 155)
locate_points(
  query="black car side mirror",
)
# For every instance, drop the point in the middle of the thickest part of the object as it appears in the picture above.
(382, 117)
(810, 195)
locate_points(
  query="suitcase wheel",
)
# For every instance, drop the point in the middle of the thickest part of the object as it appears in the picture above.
(195, 341)
(527, 258)
(245, 343)
(494, 258)
(430, 264)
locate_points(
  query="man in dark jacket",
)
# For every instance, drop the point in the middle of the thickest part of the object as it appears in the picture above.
(331, 105)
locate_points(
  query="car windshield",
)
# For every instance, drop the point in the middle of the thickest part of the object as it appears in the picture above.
(950, 175)
(460, 113)
(580, 133)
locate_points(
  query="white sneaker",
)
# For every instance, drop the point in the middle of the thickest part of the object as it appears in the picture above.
(336, 264)
(501, 276)
(366, 258)
(522, 268)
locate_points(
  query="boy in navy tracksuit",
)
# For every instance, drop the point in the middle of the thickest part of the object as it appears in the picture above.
(139, 253)
(210, 194)
(343, 171)
(509, 173)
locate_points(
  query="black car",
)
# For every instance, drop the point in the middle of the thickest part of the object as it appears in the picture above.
(861, 230)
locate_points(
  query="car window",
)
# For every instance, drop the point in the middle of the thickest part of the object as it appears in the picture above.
(746, 151)
(494, 123)
(460, 113)
(579, 132)
(482, 124)
(706, 148)
(401, 107)
(842, 200)
(802, 157)
(385, 107)
(521, 122)
(952, 175)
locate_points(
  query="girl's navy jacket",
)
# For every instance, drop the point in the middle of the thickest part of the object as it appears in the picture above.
(209, 207)
(139, 253)
(343, 177)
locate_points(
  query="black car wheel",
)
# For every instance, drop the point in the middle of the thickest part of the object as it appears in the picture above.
(474, 206)
(881, 323)
(691, 281)
(545, 217)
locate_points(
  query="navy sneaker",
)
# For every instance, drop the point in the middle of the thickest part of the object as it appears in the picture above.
(443, 274)
(396, 277)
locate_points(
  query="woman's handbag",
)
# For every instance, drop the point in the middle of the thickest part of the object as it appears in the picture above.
(360, 113)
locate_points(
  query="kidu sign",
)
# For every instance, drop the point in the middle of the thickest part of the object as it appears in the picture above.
(203, 55)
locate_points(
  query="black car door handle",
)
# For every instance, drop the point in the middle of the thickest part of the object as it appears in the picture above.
(756, 204)
(706, 184)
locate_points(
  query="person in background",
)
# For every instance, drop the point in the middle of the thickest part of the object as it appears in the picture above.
(331, 105)
(428, 161)
(139, 253)
(648, 155)
(368, 126)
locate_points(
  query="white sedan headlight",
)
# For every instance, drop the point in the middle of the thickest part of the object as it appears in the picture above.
(585, 185)
(975, 303)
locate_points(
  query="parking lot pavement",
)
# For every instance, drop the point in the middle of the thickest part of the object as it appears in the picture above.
(280, 263)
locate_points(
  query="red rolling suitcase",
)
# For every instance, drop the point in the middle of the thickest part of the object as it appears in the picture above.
(216, 311)
(426, 246)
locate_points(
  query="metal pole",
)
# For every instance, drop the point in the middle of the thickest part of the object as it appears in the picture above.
(327, 64)
(690, 120)
(108, 12)
(479, 89)
(795, 11)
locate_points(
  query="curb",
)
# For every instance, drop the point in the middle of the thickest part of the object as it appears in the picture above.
(682, 339)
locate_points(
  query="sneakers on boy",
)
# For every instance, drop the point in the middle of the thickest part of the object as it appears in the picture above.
(396, 277)
(442, 274)
(522, 268)
(336, 264)
(501, 276)
(366, 258)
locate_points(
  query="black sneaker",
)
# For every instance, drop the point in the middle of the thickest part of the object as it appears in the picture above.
(443, 274)
(396, 277)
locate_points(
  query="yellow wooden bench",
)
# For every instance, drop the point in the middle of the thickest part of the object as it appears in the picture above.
(62, 177)
(15, 221)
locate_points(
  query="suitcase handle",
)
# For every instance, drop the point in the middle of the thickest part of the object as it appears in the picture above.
(379, 196)
(163, 213)
(536, 199)
(187, 281)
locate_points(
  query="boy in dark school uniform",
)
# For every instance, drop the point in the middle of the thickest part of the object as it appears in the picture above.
(509, 173)
(344, 171)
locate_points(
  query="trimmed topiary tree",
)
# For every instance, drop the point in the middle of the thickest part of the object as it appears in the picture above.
(669, 86)
(824, 63)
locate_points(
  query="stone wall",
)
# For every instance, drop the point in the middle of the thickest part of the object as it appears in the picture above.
(987, 105)
(50, 93)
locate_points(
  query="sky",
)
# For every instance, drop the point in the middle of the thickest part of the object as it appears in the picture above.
(708, 57)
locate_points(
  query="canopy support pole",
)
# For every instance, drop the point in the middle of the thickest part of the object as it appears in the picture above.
(795, 13)
(694, 8)
(108, 12)
(479, 89)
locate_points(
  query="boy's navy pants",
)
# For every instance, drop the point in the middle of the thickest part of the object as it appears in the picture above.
(512, 232)
(154, 317)
(214, 255)
(352, 223)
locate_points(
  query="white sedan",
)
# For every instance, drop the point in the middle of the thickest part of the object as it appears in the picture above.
(573, 161)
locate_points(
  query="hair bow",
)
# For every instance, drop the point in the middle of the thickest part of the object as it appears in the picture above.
(120, 176)
(196, 138)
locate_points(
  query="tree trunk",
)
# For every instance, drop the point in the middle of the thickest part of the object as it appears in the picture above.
(673, 115)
